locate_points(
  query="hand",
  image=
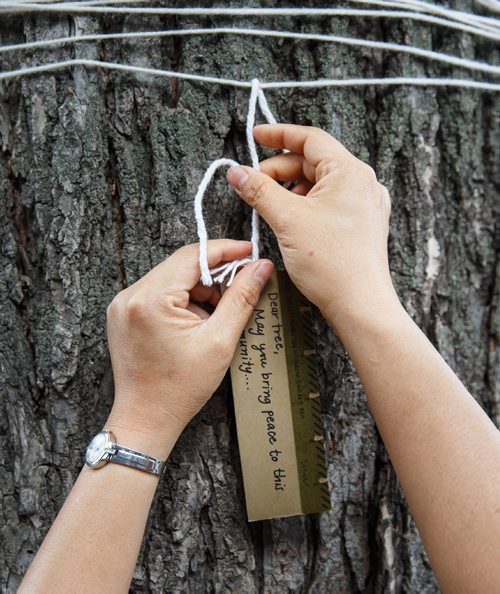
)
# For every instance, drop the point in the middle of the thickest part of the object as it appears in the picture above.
(168, 354)
(332, 228)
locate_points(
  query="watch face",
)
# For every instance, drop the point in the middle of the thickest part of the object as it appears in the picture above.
(96, 449)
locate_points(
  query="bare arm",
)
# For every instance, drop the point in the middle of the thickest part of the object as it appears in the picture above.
(168, 358)
(332, 230)
(444, 448)
(95, 540)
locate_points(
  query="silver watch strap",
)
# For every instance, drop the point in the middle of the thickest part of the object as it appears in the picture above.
(135, 459)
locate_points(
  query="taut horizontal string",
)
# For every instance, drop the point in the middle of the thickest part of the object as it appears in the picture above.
(101, 7)
(243, 84)
(377, 45)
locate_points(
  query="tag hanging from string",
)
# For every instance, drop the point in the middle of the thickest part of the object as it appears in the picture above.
(277, 407)
(273, 375)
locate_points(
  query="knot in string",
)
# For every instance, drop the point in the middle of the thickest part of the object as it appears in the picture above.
(229, 269)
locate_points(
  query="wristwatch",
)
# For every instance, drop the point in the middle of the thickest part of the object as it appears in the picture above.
(103, 449)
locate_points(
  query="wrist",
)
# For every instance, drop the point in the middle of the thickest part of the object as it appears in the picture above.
(153, 437)
(359, 314)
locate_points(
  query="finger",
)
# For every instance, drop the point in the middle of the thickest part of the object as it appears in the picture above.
(199, 311)
(302, 187)
(214, 300)
(262, 193)
(239, 300)
(204, 294)
(181, 271)
(315, 144)
(288, 166)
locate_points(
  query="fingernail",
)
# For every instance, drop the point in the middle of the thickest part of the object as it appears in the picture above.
(263, 271)
(237, 176)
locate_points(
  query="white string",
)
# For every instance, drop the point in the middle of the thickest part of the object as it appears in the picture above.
(229, 269)
(437, 9)
(206, 277)
(254, 159)
(270, 119)
(485, 26)
(416, 51)
(252, 107)
(428, 54)
(264, 107)
(243, 84)
(396, 81)
(467, 28)
(256, 94)
(98, 6)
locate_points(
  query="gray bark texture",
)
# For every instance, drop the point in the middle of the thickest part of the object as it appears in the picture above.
(97, 178)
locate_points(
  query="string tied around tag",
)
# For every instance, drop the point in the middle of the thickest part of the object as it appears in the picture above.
(228, 270)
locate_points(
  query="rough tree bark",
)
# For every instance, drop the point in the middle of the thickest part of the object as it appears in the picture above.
(98, 174)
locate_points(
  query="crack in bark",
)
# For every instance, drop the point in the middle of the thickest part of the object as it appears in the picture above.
(117, 217)
(175, 60)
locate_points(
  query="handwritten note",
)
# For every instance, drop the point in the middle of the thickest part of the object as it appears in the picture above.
(264, 414)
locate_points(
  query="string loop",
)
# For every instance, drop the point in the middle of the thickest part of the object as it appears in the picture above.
(229, 269)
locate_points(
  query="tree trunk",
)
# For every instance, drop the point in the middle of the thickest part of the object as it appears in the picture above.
(99, 171)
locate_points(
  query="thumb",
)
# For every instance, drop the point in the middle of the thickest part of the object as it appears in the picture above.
(238, 302)
(262, 193)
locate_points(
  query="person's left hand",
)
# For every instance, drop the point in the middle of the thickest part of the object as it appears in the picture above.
(168, 354)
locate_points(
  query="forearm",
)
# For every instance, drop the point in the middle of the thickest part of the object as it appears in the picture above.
(444, 448)
(94, 543)
(167, 361)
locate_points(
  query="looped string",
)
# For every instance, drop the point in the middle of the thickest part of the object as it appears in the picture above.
(229, 269)
(206, 277)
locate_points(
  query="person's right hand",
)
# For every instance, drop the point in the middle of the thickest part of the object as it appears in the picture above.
(332, 228)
